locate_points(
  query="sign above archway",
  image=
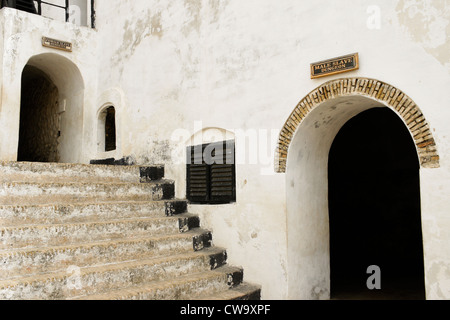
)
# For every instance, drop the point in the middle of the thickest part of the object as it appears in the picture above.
(335, 66)
(56, 44)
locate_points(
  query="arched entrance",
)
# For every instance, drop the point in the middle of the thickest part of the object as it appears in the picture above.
(39, 118)
(374, 207)
(303, 154)
(52, 108)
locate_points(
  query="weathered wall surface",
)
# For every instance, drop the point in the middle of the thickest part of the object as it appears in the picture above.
(173, 69)
(243, 66)
(73, 73)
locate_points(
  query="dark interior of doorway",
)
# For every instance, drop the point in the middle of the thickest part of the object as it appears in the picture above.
(375, 210)
(110, 129)
(39, 118)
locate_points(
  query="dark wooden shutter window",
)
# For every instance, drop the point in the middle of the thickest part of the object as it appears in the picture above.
(211, 180)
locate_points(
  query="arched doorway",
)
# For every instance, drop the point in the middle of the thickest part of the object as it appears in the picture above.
(303, 155)
(106, 128)
(39, 117)
(52, 110)
(374, 207)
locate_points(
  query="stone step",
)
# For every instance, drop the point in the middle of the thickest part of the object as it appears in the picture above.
(72, 231)
(179, 288)
(66, 213)
(62, 172)
(244, 291)
(64, 234)
(29, 261)
(68, 193)
(100, 279)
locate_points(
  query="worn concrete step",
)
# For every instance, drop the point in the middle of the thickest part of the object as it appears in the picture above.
(13, 215)
(62, 172)
(179, 288)
(101, 279)
(244, 291)
(19, 262)
(64, 193)
(69, 233)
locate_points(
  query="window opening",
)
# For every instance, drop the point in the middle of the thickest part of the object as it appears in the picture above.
(211, 173)
(110, 129)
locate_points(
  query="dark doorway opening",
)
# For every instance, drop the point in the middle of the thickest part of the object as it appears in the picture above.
(110, 129)
(39, 118)
(375, 209)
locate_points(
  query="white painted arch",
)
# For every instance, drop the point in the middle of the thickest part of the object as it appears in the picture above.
(303, 154)
(68, 79)
(113, 97)
(307, 194)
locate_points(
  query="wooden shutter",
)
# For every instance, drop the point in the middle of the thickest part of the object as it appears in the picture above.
(212, 183)
(198, 176)
(223, 176)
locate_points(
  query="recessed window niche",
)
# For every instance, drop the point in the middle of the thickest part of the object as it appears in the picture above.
(107, 140)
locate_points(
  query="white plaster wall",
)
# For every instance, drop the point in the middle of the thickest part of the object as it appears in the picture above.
(244, 65)
(74, 73)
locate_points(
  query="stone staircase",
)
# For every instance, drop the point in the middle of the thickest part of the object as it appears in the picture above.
(96, 232)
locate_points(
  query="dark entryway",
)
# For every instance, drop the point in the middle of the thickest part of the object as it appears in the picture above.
(110, 129)
(39, 118)
(375, 210)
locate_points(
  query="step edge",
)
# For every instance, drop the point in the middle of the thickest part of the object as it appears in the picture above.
(193, 233)
(213, 274)
(94, 222)
(242, 292)
(23, 280)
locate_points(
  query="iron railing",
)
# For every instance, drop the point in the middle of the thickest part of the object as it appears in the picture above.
(35, 6)
(65, 7)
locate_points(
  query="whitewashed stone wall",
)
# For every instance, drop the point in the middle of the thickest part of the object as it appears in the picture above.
(73, 73)
(174, 69)
(243, 66)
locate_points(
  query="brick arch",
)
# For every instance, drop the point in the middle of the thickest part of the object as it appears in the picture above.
(377, 90)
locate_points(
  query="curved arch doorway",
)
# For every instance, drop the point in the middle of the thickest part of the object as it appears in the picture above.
(303, 155)
(52, 110)
(374, 209)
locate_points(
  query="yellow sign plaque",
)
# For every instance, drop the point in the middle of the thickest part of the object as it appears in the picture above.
(334, 66)
(56, 44)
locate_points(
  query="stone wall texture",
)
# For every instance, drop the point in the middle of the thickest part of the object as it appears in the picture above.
(39, 119)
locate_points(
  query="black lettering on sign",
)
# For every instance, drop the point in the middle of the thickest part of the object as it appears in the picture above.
(335, 66)
(56, 44)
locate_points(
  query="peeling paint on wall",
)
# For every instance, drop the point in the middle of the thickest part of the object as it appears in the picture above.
(428, 22)
(159, 152)
(136, 31)
(438, 271)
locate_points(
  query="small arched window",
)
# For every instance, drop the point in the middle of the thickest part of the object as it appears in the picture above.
(110, 129)
(107, 140)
